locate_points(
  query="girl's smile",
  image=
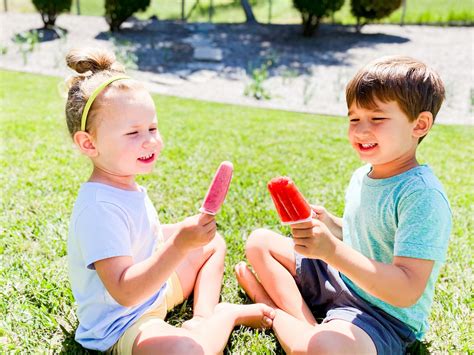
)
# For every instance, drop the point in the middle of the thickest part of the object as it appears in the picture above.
(126, 140)
(147, 159)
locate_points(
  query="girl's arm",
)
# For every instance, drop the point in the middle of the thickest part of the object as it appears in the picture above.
(130, 284)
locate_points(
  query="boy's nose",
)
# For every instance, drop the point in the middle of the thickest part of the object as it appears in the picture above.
(362, 129)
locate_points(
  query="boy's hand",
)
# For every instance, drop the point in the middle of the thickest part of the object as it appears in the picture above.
(313, 239)
(322, 214)
(195, 231)
(332, 222)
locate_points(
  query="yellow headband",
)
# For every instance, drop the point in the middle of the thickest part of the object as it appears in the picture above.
(96, 92)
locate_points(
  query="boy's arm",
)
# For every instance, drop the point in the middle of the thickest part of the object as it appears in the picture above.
(400, 284)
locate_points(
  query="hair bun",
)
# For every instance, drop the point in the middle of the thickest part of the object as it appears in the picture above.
(93, 60)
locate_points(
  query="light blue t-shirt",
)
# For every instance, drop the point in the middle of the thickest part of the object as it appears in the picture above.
(404, 215)
(108, 222)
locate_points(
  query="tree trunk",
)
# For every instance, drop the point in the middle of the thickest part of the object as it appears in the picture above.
(249, 16)
(402, 19)
(48, 20)
(310, 24)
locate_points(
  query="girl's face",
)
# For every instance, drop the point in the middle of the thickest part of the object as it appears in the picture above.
(126, 137)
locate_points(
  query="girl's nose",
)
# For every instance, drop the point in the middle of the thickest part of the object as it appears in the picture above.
(152, 140)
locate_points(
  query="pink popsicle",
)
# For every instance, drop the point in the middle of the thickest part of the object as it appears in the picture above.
(218, 189)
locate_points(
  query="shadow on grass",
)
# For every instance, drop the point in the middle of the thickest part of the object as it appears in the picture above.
(168, 46)
(70, 346)
(419, 348)
(40, 35)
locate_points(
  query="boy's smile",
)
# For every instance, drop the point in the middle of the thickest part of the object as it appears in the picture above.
(383, 136)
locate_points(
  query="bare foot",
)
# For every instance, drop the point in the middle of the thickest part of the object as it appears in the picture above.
(193, 322)
(257, 315)
(252, 287)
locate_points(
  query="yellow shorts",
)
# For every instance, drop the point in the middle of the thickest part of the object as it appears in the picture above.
(173, 297)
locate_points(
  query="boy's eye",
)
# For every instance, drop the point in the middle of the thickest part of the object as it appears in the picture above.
(353, 120)
(132, 133)
(153, 129)
(378, 118)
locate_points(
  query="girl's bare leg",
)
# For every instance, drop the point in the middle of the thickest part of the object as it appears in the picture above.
(210, 338)
(272, 257)
(201, 274)
(300, 337)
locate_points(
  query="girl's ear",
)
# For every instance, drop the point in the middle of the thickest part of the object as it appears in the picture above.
(423, 124)
(85, 143)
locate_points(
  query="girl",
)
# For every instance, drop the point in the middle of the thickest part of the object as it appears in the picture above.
(126, 269)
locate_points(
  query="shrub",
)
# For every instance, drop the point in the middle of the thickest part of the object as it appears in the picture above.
(312, 11)
(117, 11)
(372, 9)
(50, 9)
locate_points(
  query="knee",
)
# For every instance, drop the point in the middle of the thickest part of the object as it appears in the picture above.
(219, 244)
(257, 244)
(323, 343)
(186, 345)
(169, 345)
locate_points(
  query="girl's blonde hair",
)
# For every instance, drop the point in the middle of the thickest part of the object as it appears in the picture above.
(93, 66)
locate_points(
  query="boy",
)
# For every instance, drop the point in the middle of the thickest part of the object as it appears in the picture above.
(369, 275)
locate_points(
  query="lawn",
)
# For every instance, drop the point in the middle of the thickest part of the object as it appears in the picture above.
(281, 11)
(42, 172)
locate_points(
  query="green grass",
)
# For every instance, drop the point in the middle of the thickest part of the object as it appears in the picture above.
(282, 11)
(42, 172)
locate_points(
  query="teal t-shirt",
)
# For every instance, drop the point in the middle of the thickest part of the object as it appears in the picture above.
(404, 215)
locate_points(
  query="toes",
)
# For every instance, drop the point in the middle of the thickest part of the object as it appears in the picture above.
(267, 322)
(268, 311)
(240, 268)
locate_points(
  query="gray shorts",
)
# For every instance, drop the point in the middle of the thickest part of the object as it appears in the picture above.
(329, 298)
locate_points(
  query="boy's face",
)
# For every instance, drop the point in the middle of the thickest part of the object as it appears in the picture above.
(126, 137)
(384, 137)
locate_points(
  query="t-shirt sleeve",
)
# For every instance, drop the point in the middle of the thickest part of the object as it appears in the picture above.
(102, 231)
(424, 226)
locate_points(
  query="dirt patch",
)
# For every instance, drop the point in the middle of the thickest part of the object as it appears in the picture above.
(296, 73)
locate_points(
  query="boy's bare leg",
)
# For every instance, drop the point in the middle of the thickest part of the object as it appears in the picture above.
(210, 338)
(272, 257)
(201, 273)
(298, 336)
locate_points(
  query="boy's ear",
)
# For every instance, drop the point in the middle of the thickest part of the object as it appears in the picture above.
(424, 122)
(85, 143)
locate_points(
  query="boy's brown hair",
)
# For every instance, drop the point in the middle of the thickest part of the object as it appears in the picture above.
(409, 82)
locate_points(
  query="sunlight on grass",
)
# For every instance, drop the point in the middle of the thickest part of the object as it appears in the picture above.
(42, 172)
(281, 11)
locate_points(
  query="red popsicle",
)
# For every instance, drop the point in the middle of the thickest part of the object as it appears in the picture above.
(289, 202)
(218, 189)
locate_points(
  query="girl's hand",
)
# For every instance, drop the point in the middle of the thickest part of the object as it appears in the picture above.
(313, 239)
(195, 231)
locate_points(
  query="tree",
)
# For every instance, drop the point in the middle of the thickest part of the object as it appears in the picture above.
(249, 16)
(50, 9)
(372, 10)
(118, 11)
(312, 11)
